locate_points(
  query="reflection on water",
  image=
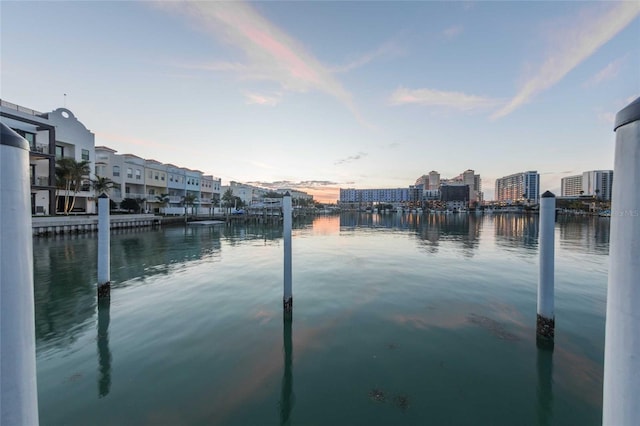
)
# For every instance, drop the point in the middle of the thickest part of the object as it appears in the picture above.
(286, 394)
(516, 230)
(544, 390)
(392, 302)
(104, 353)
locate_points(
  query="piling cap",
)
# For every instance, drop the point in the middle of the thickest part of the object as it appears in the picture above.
(628, 114)
(11, 138)
(548, 194)
(286, 194)
(103, 195)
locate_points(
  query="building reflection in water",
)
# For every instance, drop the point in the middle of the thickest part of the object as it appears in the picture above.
(287, 398)
(591, 233)
(516, 230)
(544, 365)
(104, 353)
(431, 229)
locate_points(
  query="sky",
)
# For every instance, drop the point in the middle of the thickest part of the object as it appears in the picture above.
(324, 95)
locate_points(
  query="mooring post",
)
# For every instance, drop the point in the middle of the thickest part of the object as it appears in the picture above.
(622, 332)
(545, 320)
(286, 221)
(18, 390)
(104, 247)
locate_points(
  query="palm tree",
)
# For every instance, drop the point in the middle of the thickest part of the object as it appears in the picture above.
(69, 175)
(102, 185)
(228, 198)
(188, 200)
(162, 199)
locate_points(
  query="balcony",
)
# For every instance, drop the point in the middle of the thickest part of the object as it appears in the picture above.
(135, 195)
(40, 181)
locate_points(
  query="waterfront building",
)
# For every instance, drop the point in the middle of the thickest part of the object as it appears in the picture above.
(434, 180)
(51, 136)
(153, 182)
(571, 186)
(368, 197)
(593, 183)
(518, 187)
(598, 183)
(247, 193)
(295, 194)
(455, 196)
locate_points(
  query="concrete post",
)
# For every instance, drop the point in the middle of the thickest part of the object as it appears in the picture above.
(545, 322)
(104, 247)
(287, 218)
(622, 334)
(18, 389)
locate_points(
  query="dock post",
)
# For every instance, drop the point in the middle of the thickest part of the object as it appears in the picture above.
(545, 319)
(104, 247)
(18, 392)
(621, 385)
(286, 221)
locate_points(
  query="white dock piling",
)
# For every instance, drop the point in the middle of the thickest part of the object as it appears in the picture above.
(545, 321)
(621, 385)
(18, 390)
(286, 221)
(104, 247)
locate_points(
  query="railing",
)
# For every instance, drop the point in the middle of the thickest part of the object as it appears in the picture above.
(175, 199)
(134, 195)
(42, 181)
(20, 108)
(40, 148)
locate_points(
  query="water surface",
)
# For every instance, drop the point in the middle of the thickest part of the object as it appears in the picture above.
(397, 320)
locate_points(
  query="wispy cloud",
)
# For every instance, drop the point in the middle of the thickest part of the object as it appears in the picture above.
(262, 99)
(453, 31)
(270, 52)
(385, 50)
(351, 158)
(288, 184)
(607, 73)
(574, 43)
(438, 98)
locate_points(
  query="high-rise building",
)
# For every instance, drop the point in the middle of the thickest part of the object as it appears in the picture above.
(434, 180)
(593, 183)
(571, 186)
(518, 187)
(598, 183)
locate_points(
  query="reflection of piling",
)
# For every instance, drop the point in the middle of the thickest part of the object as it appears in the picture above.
(104, 354)
(286, 394)
(544, 366)
(286, 220)
(18, 391)
(545, 322)
(104, 243)
(622, 341)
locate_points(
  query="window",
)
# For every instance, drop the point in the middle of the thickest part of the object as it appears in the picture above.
(59, 151)
(85, 154)
(162, 176)
(116, 170)
(138, 174)
(156, 176)
(129, 173)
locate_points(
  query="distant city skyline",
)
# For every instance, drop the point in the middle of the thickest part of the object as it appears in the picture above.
(318, 96)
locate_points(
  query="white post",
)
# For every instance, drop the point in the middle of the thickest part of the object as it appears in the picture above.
(286, 216)
(545, 321)
(622, 333)
(18, 389)
(104, 247)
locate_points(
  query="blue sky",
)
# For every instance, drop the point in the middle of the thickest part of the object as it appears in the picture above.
(323, 95)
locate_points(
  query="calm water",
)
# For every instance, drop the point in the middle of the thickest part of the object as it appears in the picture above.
(397, 320)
